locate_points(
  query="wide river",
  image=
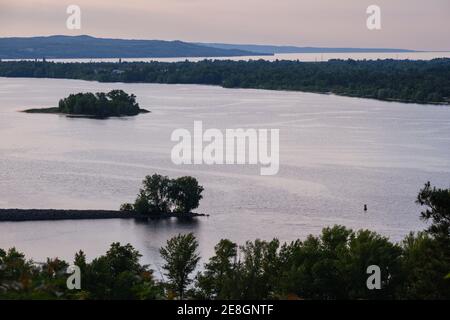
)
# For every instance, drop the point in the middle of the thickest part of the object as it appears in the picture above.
(336, 154)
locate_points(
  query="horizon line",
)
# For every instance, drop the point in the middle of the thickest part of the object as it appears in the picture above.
(205, 43)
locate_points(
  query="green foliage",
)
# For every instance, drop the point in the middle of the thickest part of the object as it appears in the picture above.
(127, 207)
(116, 275)
(332, 265)
(115, 103)
(437, 202)
(180, 255)
(23, 279)
(367, 248)
(154, 195)
(394, 80)
(426, 261)
(185, 193)
(227, 277)
(160, 195)
(218, 280)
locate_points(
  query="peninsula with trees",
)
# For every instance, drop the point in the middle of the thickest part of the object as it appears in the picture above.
(388, 80)
(115, 103)
(160, 197)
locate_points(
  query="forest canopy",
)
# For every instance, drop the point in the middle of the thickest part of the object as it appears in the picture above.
(391, 80)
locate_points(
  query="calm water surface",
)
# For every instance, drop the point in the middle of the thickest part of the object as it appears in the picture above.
(336, 154)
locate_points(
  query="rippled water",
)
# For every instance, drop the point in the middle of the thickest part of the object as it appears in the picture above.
(336, 154)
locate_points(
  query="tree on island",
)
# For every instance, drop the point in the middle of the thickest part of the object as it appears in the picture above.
(186, 193)
(114, 103)
(160, 194)
(154, 195)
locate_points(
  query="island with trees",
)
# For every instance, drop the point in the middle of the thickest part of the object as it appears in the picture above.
(115, 103)
(389, 80)
(162, 196)
(329, 266)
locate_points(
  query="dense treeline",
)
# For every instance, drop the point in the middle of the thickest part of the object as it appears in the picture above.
(401, 80)
(332, 265)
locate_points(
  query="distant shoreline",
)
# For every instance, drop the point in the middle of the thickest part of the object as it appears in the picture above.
(407, 81)
(17, 215)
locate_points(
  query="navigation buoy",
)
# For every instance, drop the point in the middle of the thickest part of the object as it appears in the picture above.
(365, 207)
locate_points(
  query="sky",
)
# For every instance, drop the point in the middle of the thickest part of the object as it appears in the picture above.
(408, 24)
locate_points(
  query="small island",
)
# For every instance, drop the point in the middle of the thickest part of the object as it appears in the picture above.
(115, 103)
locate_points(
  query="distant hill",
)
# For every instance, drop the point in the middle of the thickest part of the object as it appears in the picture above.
(268, 49)
(67, 47)
(54, 47)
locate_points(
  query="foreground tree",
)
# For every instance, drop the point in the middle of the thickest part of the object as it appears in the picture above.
(427, 255)
(218, 281)
(437, 203)
(181, 259)
(333, 265)
(254, 276)
(117, 275)
(426, 264)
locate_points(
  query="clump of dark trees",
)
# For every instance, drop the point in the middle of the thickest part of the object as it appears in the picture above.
(329, 266)
(115, 103)
(161, 195)
(393, 80)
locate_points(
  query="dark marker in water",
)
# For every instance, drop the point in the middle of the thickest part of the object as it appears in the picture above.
(365, 207)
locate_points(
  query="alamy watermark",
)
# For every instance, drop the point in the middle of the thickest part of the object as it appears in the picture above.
(235, 146)
(374, 20)
(73, 22)
(374, 280)
(74, 280)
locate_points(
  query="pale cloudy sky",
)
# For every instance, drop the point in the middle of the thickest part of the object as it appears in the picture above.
(412, 24)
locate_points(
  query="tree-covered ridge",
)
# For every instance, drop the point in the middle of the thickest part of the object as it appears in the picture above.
(393, 80)
(115, 103)
(83, 46)
(332, 265)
